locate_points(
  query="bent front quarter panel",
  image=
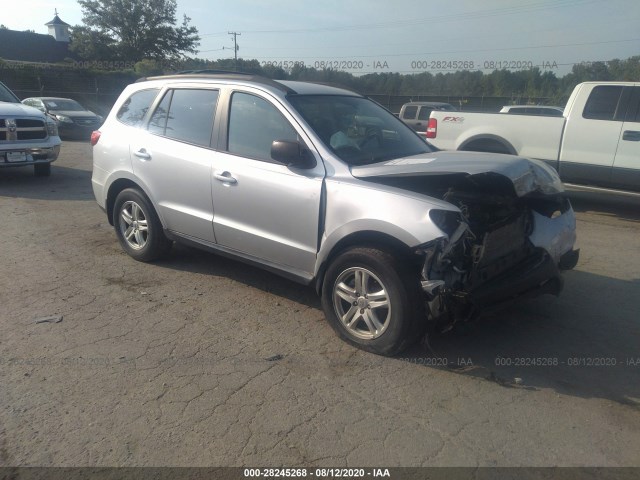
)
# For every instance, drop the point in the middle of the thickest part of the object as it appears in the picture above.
(358, 206)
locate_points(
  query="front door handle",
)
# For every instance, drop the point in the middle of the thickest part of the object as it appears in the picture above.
(631, 135)
(225, 177)
(143, 154)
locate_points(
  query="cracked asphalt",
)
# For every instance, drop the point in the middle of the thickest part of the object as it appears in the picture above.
(198, 360)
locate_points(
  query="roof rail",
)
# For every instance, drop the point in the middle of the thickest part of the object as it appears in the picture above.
(210, 71)
(223, 75)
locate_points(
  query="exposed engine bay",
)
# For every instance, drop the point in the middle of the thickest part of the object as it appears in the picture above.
(492, 253)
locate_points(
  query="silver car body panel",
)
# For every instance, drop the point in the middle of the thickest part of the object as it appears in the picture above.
(182, 196)
(356, 206)
(269, 211)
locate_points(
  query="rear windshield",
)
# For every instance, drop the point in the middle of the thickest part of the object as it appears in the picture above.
(358, 130)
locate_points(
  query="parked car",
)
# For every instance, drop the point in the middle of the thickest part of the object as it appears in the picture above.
(416, 114)
(533, 110)
(27, 136)
(326, 187)
(595, 143)
(74, 121)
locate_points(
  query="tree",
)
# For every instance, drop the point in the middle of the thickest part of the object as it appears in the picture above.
(92, 45)
(139, 29)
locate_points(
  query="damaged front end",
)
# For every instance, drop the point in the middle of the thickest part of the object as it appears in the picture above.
(512, 234)
(498, 248)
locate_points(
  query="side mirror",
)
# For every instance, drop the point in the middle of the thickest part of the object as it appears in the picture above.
(292, 154)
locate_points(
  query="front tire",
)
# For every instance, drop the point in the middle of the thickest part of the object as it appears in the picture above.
(138, 227)
(373, 301)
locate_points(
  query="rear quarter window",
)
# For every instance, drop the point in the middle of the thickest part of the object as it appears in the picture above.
(409, 112)
(134, 109)
(425, 112)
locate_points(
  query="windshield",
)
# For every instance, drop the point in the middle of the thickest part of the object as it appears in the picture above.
(358, 130)
(7, 95)
(63, 104)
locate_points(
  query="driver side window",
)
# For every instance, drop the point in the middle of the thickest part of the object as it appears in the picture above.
(253, 125)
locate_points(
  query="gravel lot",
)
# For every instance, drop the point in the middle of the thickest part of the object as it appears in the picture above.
(200, 360)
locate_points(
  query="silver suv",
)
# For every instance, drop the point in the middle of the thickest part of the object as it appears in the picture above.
(327, 188)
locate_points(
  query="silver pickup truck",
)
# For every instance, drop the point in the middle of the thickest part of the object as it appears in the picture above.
(27, 136)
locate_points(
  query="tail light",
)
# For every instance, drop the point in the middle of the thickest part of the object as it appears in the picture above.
(432, 128)
(95, 136)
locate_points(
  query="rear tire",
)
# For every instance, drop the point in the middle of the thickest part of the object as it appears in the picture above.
(138, 227)
(42, 169)
(373, 301)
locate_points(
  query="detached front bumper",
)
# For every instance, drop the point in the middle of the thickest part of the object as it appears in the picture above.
(537, 275)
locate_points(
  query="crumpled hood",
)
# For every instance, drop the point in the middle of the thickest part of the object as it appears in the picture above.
(18, 110)
(526, 175)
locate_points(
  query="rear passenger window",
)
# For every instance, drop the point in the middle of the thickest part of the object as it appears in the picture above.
(602, 102)
(410, 112)
(186, 115)
(424, 113)
(253, 126)
(136, 106)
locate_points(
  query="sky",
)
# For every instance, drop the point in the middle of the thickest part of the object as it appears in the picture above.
(406, 36)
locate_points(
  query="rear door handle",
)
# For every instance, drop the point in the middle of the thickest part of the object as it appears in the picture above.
(225, 177)
(143, 154)
(631, 135)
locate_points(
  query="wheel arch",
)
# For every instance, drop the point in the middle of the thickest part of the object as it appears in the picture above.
(118, 186)
(365, 238)
(488, 143)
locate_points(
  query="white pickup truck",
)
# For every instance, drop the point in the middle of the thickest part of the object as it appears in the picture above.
(596, 142)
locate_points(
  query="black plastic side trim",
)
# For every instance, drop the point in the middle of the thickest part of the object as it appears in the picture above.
(291, 274)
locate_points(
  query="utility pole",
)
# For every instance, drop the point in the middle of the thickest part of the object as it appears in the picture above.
(235, 48)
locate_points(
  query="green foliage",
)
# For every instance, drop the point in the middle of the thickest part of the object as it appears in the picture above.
(132, 30)
(148, 68)
(92, 44)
